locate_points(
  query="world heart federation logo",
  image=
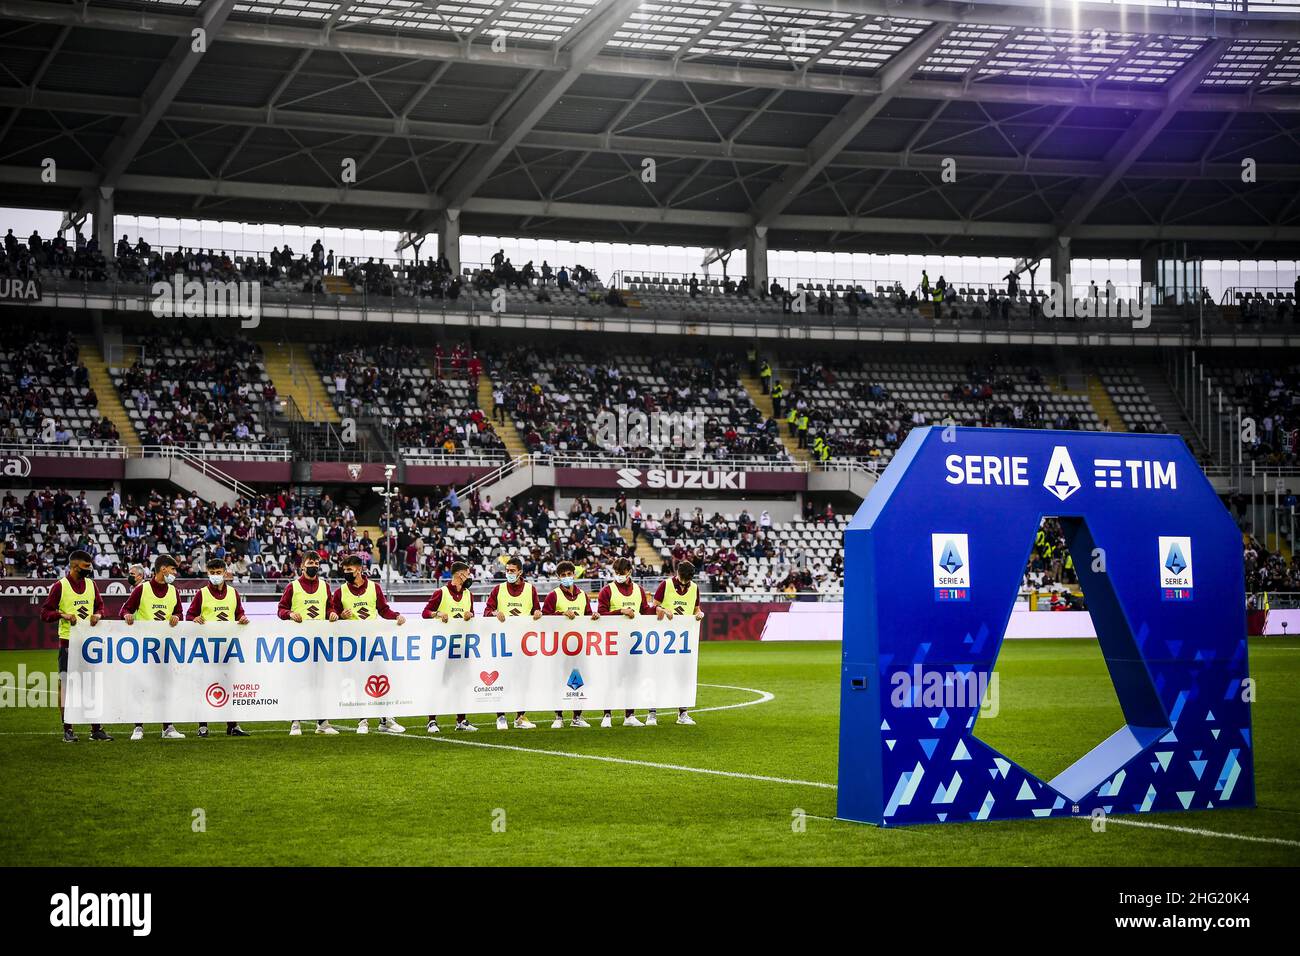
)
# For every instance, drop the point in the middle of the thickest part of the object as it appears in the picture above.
(488, 677)
(216, 695)
(377, 685)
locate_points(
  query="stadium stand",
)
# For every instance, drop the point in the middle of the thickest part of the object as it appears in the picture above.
(1137, 412)
(1270, 396)
(45, 392)
(556, 398)
(865, 410)
(198, 390)
(428, 410)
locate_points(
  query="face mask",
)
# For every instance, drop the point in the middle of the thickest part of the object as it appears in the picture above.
(216, 580)
(169, 578)
(566, 582)
(621, 578)
(511, 577)
(87, 572)
(311, 572)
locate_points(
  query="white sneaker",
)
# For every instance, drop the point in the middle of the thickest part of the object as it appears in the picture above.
(324, 728)
(607, 721)
(523, 723)
(502, 724)
(137, 733)
(363, 726)
(389, 726)
(685, 718)
(652, 719)
(632, 722)
(557, 723)
(433, 728)
(465, 725)
(579, 722)
(295, 729)
(171, 733)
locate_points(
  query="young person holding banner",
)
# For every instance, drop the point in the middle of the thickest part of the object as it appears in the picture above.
(568, 601)
(73, 599)
(515, 598)
(360, 599)
(306, 598)
(217, 601)
(624, 597)
(156, 600)
(678, 594)
(453, 602)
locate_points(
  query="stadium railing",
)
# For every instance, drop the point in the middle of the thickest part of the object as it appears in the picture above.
(188, 452)
(716, 310)
(584, 459)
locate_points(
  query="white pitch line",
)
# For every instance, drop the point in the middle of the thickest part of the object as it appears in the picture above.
(763, 698)
(1124, 821)
(620, 760)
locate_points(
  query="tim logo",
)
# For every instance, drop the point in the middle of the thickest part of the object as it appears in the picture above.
(216, 695)
(1175, 557)
(377, 685)
(950, 554)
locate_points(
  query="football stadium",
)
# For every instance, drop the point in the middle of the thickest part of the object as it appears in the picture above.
(650, 433)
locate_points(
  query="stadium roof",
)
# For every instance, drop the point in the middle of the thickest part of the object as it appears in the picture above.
(826, 121)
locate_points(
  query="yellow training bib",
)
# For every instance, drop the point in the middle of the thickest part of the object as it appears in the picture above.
(82, 605)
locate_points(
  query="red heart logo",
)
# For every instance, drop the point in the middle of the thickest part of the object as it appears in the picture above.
(489, 679)
(377, 685)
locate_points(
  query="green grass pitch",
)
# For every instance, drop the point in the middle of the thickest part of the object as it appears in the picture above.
(353, 800)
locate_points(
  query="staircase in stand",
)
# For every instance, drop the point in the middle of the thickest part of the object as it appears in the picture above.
(295, 376)
(110, 402)
(1103, 406)
(1168, 407)
(763, 403)
(644, 549)
(509, 432)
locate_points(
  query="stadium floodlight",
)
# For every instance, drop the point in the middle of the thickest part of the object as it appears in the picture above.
(388, 493)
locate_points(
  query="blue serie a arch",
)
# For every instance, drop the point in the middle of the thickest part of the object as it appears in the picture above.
(933, 562)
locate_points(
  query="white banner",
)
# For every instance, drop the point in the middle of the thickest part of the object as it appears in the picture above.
(278, 670)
